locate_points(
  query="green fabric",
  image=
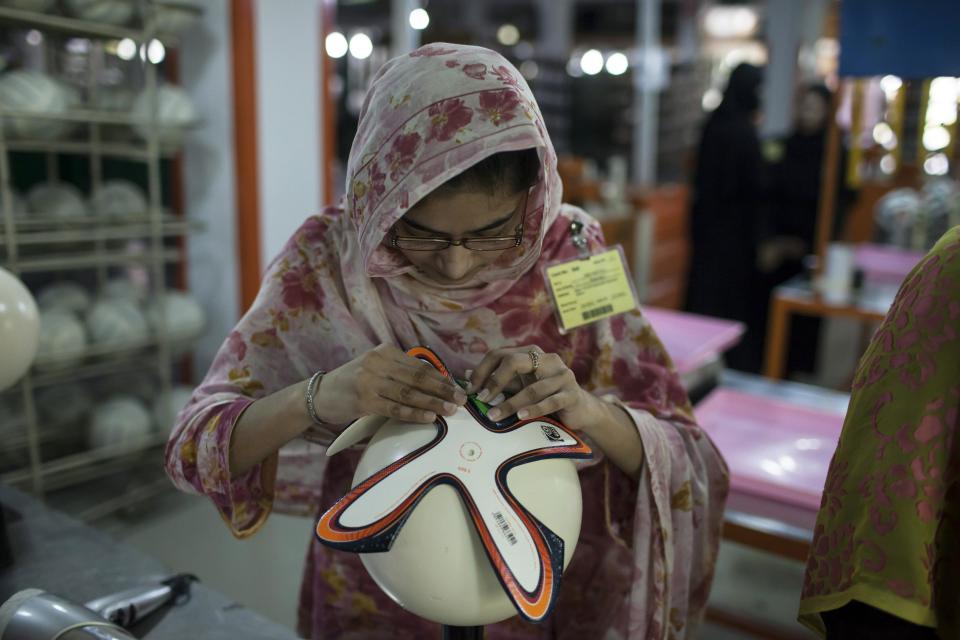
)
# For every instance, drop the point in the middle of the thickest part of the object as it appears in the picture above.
(884, 496)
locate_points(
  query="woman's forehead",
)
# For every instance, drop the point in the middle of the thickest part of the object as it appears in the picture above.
(462, 211)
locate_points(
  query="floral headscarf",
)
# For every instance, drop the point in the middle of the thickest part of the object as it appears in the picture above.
(413, 136)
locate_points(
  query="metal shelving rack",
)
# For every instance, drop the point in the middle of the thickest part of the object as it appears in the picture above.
(16, 234)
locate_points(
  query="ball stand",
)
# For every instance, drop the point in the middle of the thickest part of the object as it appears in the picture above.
(461, 633)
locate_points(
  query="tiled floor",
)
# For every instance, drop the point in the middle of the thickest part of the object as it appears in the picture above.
(263, 572)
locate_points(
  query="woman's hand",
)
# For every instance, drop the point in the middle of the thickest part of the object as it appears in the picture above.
(386, 382)
(548, 386)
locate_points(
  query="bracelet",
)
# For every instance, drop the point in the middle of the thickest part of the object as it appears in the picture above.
(312, 387)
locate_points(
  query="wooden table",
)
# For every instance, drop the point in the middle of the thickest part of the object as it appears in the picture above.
(797, 297)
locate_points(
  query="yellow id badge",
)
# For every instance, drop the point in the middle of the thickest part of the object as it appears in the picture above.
(591, 288)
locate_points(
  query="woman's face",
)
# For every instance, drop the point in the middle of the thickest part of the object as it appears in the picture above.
(459, 215)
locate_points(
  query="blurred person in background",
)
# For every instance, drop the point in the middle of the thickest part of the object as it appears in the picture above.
(789, 220)
(795, 188)
(724, 216)
(884, 563)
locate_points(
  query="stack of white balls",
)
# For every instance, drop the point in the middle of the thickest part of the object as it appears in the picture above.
(127, 418)
(39, 93)
(119, 318)
(116, 200)
(124, 421)
(171, 19)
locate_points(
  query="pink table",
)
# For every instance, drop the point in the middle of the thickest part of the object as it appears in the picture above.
(778, 452)
(884, 263)
(693, 340)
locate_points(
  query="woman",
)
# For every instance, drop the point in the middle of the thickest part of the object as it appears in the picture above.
(452, 206)
(884, 562)
(795, 188)
(723, 218)
(789, 226)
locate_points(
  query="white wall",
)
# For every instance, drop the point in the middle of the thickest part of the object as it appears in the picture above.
(289, 124)
(289, 117)
(784, 19)
(209, 177)
(790, 24)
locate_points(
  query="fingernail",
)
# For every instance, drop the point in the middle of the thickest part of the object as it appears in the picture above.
(430, 416)
(494, 414)
(483, 395)
(449, 408)
(460, 397)
(522, 414)
(468, 387)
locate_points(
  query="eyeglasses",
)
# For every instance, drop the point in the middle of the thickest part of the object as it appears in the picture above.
(478, 243)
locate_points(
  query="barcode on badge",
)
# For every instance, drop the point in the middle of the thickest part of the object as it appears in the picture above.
(504, 527)
(599, 311)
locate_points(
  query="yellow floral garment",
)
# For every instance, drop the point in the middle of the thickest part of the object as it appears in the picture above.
(876, 538)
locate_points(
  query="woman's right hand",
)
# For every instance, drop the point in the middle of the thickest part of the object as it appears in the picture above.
(386, 382)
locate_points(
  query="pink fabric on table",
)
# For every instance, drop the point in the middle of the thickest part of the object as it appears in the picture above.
(692, 340)
(885, 264)
(774, 449)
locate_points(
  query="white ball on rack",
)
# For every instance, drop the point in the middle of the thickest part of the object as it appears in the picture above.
(39, 93)
(39, 6)
(175, 112)
(111, 98)
(63, 340)
(119, 199)
(122, 288)
(19, 329)
(58, 200)
(121, 420)
(63, 404)
(168, 405)
(117, 323)
(117, 12)
(64, 296)
(173, 18)
(184, 317)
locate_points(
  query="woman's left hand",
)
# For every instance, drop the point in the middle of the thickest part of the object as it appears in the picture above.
(548, 386)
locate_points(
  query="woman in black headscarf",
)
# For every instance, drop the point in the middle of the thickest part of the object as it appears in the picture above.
(726, 196)
(796, 178)
(791, 221)
(792, 218)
